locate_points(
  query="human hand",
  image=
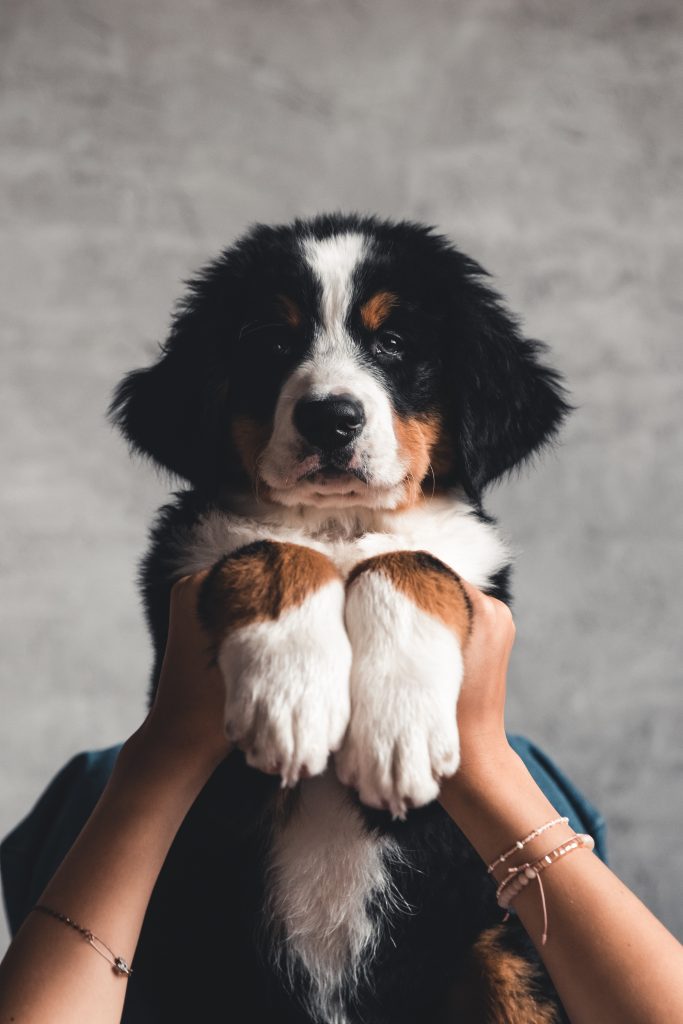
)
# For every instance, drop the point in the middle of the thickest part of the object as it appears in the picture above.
(481, 704)
(184, 730)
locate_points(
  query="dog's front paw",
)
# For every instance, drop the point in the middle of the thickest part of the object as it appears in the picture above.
(287, 693)
(276, 613)
(402, 738)
(406, 674)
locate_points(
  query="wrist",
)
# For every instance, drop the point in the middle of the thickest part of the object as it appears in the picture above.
(491, 782)
(152, 762)
(495, 801)
(483, 764)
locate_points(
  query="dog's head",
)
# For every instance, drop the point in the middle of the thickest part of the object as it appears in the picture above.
(342, 361)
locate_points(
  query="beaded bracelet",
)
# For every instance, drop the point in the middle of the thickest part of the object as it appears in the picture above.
(519, 876)
(118, 964)
(521, 843)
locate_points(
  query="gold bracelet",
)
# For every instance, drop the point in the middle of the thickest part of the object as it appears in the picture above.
(118, 964)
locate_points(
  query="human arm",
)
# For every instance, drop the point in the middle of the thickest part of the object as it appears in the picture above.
(50, 974)
(610, 959)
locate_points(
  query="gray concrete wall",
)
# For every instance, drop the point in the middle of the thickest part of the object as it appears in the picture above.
(137, 138)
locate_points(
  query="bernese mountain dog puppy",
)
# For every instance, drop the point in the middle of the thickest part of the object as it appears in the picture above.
(337, 393)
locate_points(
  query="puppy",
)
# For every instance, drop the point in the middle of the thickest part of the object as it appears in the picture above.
(337, 394)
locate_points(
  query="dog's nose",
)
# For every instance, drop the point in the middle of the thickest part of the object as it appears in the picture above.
(329, 422)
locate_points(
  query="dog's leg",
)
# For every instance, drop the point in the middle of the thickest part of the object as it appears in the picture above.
(275, 614)
(502, 982)
(407, 617)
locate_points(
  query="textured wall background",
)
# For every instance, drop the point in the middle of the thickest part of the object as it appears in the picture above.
(137, 138)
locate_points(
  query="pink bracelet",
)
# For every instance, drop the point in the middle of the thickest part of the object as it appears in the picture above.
(518, 877)
(521, 843)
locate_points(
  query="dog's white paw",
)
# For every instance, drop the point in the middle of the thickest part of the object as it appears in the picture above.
(287, 686)
(399, 748)
(406, 674)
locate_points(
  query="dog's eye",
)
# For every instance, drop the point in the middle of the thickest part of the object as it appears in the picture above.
(280, 348)
(265, 340)
(388, 346)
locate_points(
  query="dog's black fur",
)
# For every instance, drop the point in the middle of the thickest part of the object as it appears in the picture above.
(201, 955)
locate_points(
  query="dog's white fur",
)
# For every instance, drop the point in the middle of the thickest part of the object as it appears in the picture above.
(407, 669)
(446, 526)
(293, 714)
(334, 261)
(325, 867)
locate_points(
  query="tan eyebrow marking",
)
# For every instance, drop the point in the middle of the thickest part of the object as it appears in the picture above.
(374, 312)
(291, 311)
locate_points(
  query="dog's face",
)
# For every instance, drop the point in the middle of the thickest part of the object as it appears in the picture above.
(340, 401)
(342, 361)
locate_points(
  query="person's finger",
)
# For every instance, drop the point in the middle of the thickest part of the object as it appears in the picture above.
(186, 589)
(490, 611)
(475, 595)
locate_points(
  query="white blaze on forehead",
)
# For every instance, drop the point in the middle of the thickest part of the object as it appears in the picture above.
(333, 260)
(334, 365)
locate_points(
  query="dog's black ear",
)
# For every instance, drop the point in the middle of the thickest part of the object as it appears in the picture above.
(159, 411)
(510, 403)
(172, 411)
(167, 411)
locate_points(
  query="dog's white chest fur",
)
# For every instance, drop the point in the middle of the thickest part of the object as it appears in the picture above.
(447, 528)
(326, 868)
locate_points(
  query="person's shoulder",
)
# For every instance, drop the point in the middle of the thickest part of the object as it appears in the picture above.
(32, 851)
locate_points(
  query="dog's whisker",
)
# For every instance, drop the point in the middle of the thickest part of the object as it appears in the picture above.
(433, 476)
(258, 478)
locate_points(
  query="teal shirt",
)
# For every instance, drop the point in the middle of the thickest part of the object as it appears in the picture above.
(30, 854)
